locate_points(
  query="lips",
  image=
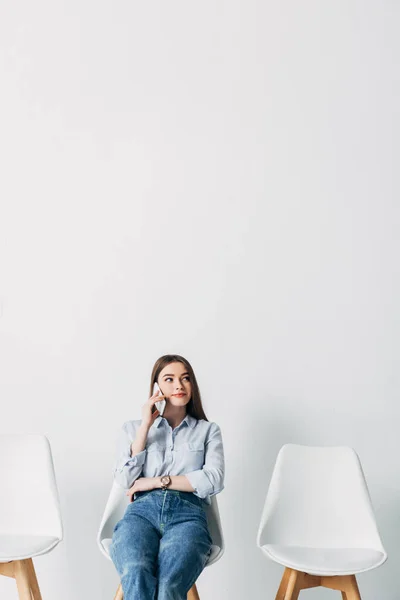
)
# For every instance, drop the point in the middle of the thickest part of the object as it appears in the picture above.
(179, 395)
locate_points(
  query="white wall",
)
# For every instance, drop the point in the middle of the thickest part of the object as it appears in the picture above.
(215, 179)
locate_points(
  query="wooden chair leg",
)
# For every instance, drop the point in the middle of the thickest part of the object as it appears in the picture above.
(347, 584)
(352, 592)
(24, 574)
(291, 584)
(22, 578)
(294, 581)
(120, 594)
(7, 569)
(283, 585)
(33, 582)
(193, 594)
(292, 590)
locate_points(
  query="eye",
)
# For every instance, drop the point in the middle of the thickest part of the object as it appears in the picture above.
(166, 379)
(187, 377)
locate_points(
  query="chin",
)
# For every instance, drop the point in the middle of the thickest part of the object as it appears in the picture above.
(179, 401)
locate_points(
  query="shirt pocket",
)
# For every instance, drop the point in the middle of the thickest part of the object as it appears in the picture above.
(191, 456)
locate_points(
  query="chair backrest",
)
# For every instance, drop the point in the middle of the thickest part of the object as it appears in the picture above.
(29, 502)
(115, 509)
(318, 497)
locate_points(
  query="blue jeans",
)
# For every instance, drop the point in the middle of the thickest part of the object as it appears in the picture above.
(161, 545)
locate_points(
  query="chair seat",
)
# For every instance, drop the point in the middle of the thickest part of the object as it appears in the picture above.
(215, 550)
(325, 561)
(19, 547)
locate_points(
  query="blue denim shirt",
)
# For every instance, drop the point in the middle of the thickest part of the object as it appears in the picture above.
(194, 449)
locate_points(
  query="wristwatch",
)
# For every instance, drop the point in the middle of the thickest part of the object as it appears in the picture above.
(165, 481)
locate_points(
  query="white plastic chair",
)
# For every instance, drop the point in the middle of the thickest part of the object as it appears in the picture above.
(115, 509)
(30, 519)
(318, 521)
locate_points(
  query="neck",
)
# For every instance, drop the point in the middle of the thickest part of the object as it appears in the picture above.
(174, 414)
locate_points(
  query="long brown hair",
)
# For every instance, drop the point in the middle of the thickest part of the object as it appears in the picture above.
(194, 407)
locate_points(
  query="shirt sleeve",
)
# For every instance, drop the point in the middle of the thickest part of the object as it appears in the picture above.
(127, 468)
(210, 479)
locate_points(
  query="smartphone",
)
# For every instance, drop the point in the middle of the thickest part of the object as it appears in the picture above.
(159, 405)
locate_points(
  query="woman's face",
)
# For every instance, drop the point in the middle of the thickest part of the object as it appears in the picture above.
(175, 384)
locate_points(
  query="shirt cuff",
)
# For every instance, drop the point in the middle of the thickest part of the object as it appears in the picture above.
(200, 483)
(133, 461)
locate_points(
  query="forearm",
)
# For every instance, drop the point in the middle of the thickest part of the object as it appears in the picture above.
(139, 444)
(143, 484)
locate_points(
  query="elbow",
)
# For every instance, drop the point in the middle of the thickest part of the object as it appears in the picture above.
(218, 488)
(216, 478)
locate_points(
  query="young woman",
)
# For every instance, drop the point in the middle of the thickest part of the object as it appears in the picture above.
(171, 465)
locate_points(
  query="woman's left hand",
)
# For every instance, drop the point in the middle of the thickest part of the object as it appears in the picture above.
(143, 484)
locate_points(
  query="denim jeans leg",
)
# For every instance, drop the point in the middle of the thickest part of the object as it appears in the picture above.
(184, 550)
(134, 550)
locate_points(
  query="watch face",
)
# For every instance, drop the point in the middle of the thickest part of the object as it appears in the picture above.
(165, 479)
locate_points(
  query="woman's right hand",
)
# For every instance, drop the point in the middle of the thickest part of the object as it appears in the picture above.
(148, 417)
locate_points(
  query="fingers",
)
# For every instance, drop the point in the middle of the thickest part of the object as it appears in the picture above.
(156, 398)
(130, 493)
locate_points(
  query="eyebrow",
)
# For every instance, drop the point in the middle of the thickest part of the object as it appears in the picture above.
(171, 374)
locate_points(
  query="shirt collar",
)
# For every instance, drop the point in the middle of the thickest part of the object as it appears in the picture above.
(189, 420)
